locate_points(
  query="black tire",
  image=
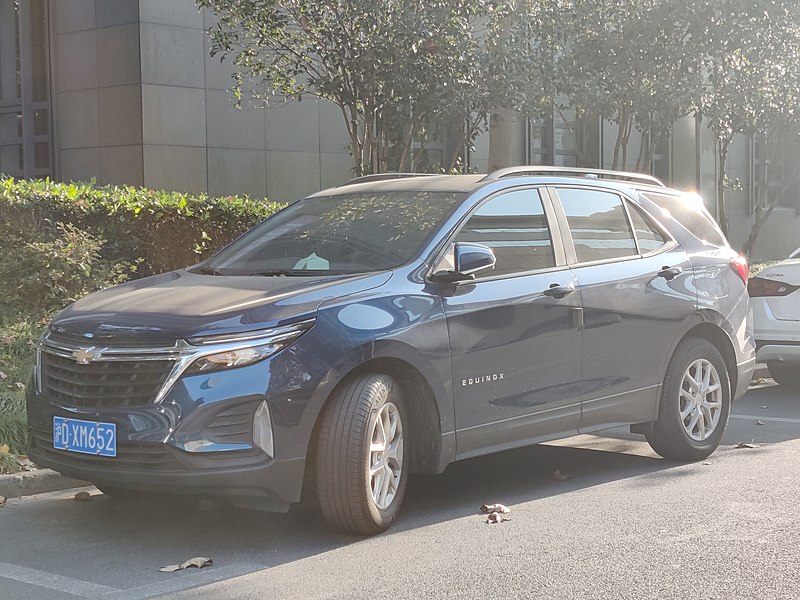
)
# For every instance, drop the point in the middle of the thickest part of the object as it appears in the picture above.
(784, 374)
(670, 436)
(342, 455)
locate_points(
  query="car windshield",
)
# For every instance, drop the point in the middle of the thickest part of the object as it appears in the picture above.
(345, 233)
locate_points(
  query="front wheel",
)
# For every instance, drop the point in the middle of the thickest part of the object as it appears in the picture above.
(695, 403)
(361, 457)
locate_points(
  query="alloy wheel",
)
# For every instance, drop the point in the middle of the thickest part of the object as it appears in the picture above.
(385, 460)
(700, 400)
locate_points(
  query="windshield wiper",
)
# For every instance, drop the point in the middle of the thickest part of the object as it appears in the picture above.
(205, 270)
(296, 273)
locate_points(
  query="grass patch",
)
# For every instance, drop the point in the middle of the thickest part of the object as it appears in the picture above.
(17, 354)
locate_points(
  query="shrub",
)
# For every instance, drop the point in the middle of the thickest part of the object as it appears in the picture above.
(159, 231)
(17, 340)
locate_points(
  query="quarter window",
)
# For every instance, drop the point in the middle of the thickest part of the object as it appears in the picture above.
(515, 227)
(598, 223)
(648, 236)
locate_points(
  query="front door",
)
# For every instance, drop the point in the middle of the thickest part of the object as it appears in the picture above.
(514, 331)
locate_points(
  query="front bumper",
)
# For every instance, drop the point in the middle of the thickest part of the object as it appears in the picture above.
(267, 485)
(199, 439)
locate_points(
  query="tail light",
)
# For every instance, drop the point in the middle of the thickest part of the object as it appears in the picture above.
(739, 265)
(762, 288)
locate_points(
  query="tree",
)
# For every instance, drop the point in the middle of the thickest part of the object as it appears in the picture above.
(751, 71)
(395, 69)
(634, 63)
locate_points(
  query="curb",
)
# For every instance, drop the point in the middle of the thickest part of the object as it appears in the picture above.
(39, 481)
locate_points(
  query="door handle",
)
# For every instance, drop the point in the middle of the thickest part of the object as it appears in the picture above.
(670, 273)
(558, 291)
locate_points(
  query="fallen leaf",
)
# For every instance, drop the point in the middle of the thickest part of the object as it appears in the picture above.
(498, 508)
(765, 407)
(82, 497)
(4, 450)
(758, 381)
(559, 476)
(708, 462)
(496, 517)
(3, 375)
(745, 445)
(19, 385)
(2, 501)
(759, 422)
(198, 562)
(170, 568)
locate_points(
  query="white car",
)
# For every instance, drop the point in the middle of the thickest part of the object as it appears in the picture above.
(775, 298)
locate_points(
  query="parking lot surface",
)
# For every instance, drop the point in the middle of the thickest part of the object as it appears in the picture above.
(625, 524)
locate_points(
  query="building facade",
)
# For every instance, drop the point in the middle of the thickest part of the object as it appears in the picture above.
(125, 92)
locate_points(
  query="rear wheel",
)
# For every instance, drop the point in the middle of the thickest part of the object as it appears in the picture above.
(361, 458)
(695, 403)
(785, 374)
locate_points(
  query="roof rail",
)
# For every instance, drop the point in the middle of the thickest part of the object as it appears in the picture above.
(384, 177)
(573, 172)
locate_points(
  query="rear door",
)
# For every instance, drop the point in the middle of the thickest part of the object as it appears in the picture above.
(636, 292)
(515, 345)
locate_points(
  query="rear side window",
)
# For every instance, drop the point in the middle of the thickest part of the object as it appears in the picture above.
(598, 224)
(648, 236)
(691, 214)
(515, 227)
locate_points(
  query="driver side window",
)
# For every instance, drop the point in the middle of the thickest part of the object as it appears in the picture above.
(514, 226)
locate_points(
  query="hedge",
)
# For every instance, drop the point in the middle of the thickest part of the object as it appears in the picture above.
(61, 240)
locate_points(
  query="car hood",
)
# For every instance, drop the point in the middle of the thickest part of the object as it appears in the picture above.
(181, 304)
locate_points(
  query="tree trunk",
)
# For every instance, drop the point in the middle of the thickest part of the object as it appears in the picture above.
(621, 143)
(761, 218)
(722, 217)
(501, 130)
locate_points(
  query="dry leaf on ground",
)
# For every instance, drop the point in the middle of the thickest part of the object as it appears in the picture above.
(498, 508)
(2, 501)
(19, 385)
(3, 375)
(745, 445)
(496, 517)
(559, 476)
(198, 562)
(759, 422)
(82, 497)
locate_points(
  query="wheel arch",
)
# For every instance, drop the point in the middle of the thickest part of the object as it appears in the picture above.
(434, 442)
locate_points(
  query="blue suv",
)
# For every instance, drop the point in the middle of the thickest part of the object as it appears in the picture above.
(397, 324)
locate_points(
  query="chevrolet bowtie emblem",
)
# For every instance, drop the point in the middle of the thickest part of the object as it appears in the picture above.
(84, 356)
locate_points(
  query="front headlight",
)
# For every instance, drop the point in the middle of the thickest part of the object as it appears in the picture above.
(242, 349)
(233, 358)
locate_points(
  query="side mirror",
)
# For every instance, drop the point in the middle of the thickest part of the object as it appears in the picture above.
(468, 259)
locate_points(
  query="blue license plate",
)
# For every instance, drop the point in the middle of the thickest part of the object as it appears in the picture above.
(86, 437)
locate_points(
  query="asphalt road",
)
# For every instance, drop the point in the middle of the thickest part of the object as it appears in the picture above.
(625, 525)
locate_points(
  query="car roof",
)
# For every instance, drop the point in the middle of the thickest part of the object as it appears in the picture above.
(423, 182)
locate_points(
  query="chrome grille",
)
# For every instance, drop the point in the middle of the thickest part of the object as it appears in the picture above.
(102, 383)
